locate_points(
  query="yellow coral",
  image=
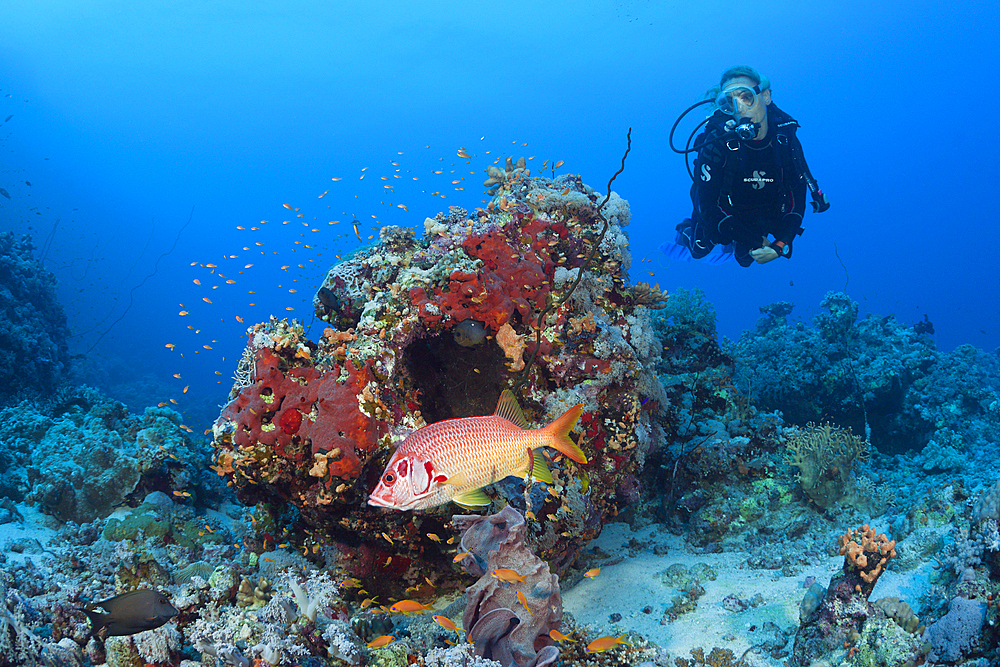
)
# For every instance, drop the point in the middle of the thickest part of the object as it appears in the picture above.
(320, 466)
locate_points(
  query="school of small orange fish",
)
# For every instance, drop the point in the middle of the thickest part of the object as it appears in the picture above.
(237, 267)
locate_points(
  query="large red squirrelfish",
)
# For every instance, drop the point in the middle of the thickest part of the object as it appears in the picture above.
(455, 458)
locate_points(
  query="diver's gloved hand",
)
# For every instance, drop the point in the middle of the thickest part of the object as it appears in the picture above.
(764, 254)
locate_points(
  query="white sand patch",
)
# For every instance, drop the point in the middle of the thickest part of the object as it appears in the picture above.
(36, 526)
(634, 583)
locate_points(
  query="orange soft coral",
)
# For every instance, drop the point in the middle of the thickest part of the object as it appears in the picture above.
(867, 551)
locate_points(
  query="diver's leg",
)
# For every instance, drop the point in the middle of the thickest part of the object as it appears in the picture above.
(693, 236)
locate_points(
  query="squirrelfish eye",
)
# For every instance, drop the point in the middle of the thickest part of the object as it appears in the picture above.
(388, 478)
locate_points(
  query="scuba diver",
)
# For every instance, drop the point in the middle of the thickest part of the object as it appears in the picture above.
(750, 177)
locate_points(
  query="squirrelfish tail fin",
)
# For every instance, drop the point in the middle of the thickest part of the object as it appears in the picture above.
(559, 430)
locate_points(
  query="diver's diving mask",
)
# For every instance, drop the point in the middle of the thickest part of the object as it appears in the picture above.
(737, 100)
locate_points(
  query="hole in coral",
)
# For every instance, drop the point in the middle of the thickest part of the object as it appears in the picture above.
(455, 381)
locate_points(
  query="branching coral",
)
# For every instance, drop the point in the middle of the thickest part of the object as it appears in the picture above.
(651, 297)
(824, 456)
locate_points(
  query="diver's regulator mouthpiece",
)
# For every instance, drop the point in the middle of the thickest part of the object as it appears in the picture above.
(745, 128)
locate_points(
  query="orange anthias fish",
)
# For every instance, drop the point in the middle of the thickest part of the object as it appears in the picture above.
(409, 607)
(504, 574)
(454, 459)
(604, 643)
(446, 623)
(524, 603)
(560, 637)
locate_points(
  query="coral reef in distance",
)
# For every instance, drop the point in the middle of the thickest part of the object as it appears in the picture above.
(78, 455)
(33, 333)
(874, 375)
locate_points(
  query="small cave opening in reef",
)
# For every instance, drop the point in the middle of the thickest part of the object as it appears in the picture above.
(455, 380)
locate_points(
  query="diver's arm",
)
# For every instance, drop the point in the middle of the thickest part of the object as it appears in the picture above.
(785, 232)
(708, 184)
(790, 224)
(798, 193)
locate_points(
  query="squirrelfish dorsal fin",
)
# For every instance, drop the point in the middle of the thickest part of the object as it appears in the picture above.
(508, 408)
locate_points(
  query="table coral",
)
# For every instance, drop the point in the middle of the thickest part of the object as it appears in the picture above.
(389, 362)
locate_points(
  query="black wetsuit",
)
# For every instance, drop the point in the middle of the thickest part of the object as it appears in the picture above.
(745, 190)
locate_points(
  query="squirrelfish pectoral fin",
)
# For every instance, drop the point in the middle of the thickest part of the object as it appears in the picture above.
(508, 409)
(474, 499)
(458, 479)
(540, 469)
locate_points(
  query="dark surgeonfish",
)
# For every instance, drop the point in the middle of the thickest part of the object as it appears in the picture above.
(130, 613)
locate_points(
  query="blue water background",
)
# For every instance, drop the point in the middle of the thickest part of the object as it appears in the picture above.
(126, 116)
